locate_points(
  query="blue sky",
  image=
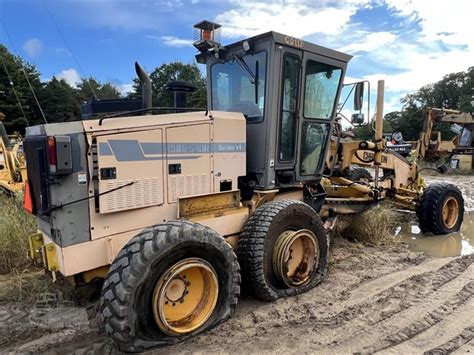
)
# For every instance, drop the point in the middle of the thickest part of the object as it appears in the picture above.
(407, 43)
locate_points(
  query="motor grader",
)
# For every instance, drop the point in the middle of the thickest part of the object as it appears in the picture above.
(173, 210)
(12, 165)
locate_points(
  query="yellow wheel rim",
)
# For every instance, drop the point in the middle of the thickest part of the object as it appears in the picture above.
(295, 255)
(450, 212)
(185, 296)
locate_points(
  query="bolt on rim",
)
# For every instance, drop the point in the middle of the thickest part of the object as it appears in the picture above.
(295, 255)
(185, 296)
(450, 212)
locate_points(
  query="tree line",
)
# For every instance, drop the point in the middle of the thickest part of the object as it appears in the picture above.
(61, 102)
(454, 91)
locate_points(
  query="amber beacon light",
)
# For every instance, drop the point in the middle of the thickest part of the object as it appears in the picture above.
(206, 35)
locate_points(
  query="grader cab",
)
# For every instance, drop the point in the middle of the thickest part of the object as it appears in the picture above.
(172, 211)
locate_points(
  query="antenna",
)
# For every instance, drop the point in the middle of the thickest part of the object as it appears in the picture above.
(68, 48)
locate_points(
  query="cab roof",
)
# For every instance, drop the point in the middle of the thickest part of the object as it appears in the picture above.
(294, 43)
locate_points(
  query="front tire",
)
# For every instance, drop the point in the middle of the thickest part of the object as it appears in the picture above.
(283, 250)
(169, 283)
(441, 209)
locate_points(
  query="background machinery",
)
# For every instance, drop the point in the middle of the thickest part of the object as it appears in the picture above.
(12, 164)
(173, 210)
(459, 150)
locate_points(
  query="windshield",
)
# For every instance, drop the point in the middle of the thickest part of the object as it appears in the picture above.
(239, 85)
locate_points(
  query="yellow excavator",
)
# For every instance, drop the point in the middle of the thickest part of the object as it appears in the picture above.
(12, 163)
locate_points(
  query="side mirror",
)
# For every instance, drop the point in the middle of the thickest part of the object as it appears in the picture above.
(357, 119)
(358, 96)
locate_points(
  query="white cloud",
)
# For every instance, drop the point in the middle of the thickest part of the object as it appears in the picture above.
(124, 89)
(370, 42)
(294, 18)
(33, 47)
(172, 41)
(449, 21)
(431, 54)
(410, 60)
(71, 76)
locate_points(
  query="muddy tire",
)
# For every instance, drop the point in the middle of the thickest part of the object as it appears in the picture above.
(441, 209)
(147, 280)
(359, 175)
(269, 234)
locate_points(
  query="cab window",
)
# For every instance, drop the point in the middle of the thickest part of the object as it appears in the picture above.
(290, 82)
(238, 85)
(321, 84)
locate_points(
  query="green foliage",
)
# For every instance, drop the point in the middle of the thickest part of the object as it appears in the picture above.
(102, 90)
(454, 91)
(15, 226)
(59, 101)
(366, 132)
(8, 101)
(175, 71)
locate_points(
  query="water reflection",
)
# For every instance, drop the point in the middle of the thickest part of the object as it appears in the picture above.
(454, 244)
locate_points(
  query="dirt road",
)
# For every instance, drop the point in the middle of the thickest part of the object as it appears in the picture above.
(385, 299)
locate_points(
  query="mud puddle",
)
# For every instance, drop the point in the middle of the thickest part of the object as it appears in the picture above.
(441, 246)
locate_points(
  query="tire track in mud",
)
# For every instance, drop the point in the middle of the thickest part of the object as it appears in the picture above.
(356, 301)
(409, 291)
(466, 348)
(428, 321)
(443, 332)
(342, 316)
(453, 344)
(15, 326)
(365, 332)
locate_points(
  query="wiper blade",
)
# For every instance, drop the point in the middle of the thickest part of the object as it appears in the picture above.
(245, 67)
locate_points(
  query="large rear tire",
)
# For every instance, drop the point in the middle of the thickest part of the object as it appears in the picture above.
(169, 283)
(283, 250)
(441, 209)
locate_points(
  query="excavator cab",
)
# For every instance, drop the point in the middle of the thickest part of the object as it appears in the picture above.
(287, 89)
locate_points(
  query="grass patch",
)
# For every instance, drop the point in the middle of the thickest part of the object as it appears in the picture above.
(15, 226)
(371, 227)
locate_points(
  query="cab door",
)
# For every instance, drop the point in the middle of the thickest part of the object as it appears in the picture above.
(320, 88)
(287, 130)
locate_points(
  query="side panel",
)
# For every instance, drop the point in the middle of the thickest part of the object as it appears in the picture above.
(135, 158)
(188, 161)
(229, 152)
(130, 158)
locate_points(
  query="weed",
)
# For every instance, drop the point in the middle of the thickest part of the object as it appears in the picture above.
(372, 227)
(15, 226)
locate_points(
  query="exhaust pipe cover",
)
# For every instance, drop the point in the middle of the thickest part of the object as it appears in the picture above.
(146, 86)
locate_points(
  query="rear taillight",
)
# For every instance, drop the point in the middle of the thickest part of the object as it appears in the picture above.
(52, 160)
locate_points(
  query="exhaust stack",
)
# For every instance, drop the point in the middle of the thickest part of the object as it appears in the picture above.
(146, 86)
